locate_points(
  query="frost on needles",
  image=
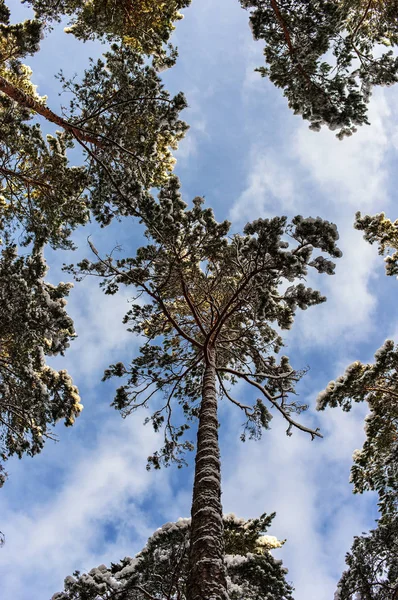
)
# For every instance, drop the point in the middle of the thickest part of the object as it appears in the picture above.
(160, 570)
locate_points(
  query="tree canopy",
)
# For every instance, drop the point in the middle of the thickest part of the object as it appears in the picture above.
(376, 465)
(33, 325)
(121, 118)
(372, 566)
(206, 288)
(372, 562)
(161, 568)
(381, 230)
(326, 57)
(144, 25)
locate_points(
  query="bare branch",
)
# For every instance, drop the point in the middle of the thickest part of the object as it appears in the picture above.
(313, 432)
(243, 407)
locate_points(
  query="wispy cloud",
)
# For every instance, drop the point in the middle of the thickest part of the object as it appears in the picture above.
(68, 530)
(314, 174)
(307, 484)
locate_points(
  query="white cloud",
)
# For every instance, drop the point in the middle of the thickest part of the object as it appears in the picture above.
(351, 173)
(315, 174)
(65, 532)
(270, 184)
(306, 483)
(101, 332)
(349, 312)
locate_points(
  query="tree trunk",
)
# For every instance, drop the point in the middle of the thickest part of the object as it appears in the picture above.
(206, 579)
(19, 96)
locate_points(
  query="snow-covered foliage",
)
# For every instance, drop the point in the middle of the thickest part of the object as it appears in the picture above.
(145, 25)
(384, 232)
(159, 571)
(206, 287)
(301, 36)
(43, 199)
(33, 324)
(121, 118)
(372, 572)
(376, 464)
(373, 560)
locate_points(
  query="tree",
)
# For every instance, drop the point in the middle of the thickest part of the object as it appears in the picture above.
(373, 560)
(33, 325)
(125, 123)
(145, 25)
(384, 232)
(121, 117)
(42, 198)
(160, 570)
(298, 37)
(376, 465)
(122, 102)
(209, 301)
(373, 566)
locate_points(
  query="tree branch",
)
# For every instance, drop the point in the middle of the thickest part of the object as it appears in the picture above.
(192, 306)
(383, 390)
(23, 99)
(313, 432)
(25, 178)
(243, 407)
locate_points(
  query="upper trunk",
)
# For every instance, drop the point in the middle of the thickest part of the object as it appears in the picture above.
(206, 579)
(19, 96)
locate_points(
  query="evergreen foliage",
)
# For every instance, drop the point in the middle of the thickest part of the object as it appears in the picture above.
(42, 198)
(373, 560)
(372, 563)
(33, 325)
(120, 116)
(122, 104)
(145, 25)
(160, 570)
(376, 465)
(325, 55)
(372, 571)
(378, 229)
(201, 287)
(126, 124)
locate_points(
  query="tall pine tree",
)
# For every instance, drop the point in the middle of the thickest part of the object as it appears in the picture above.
(207, 308)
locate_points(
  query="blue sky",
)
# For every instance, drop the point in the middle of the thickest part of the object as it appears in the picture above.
(88, 499)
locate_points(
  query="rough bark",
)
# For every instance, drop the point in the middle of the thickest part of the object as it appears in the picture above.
(19, 96)
(206, 579)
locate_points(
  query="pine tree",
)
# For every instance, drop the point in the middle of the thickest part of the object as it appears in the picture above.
(145, 25)
(376, 465)
(297, 35)
(33, 325)
(373, 560)
(121, 118)
(126, 124)
(372, 571)
(207, 308)
(160, 570)
(378, 229)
